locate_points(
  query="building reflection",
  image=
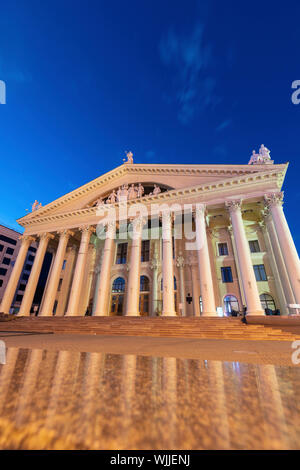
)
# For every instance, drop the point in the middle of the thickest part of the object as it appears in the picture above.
(105, 401)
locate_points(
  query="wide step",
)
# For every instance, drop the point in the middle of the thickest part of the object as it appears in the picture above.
(187, 327)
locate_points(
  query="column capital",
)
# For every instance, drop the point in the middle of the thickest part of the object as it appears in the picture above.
(233, 205)
(86, 229)
(262, 224)
(65, 233)
(167, 217)
(273, 199)
(200, 209)
(45, 236)
(110, 228)
(138, 222)
(230, 230)
(27, 238)
(154, 263)
(180, 261)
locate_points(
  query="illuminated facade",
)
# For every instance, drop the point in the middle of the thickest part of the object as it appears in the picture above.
(243, 254)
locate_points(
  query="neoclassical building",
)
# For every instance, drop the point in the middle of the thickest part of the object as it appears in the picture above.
(242, 253)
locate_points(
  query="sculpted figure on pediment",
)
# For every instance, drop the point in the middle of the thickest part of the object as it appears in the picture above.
(132, 192)
(156, 190)
(112, 198)
(140, 190)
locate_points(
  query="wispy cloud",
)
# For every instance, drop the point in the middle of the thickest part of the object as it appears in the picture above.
(223, 125)
(150, 154)
(220, 150)
(189, 58)
(10, 71)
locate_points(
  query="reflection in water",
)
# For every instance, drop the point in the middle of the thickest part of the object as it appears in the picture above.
(78, 400)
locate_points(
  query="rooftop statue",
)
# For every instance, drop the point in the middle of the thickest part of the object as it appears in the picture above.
(36, 205)
(129, 156)
(261, 158)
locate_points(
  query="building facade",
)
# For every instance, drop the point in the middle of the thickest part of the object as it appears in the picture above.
(167, 240)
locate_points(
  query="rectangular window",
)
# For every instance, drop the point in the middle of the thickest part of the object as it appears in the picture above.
(1, 282)
(9, 251)
(254, 246)
(260, 273)
(28, 267)
(19, 297)
(223, 249)
(31, 248)
(121, 253)
(226, 274)
(22, 287)
(25, 277)
(30, 258)
(1, 247)
(6, 261)
(11, 241)
(3, 271)
(145, 252)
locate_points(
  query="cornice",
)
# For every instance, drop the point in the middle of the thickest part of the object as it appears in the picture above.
(148, 169)
(200, 191)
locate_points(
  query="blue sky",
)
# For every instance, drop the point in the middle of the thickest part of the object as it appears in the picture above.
(173, 81)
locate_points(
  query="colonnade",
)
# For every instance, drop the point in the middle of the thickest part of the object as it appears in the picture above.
(279, 235)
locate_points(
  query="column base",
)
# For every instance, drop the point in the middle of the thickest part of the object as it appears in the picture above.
(169, 314)
(208, 314)
(255, 313)
(132, 314)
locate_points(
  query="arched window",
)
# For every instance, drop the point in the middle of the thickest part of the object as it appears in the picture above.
(267, 301)
(144, 284)
(230, 304)
(175, 284)
(118, 285)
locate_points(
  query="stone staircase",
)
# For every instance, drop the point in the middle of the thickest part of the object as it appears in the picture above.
(175, 327)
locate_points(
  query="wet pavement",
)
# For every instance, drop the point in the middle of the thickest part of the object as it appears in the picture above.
(93, 400)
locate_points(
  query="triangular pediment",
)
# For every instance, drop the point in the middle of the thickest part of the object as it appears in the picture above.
(170, 177)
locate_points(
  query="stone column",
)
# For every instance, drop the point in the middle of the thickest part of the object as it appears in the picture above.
(73, 306)
(133, 289)
(88, 279)
(278, 278)
(284, 278)
(64, 292)
(15, 275)
(167, 266)
(195, 286)
(274, 203)
(180, 266)
(103, 293)
(244, 257)
(35, 274)
(47, 308)
(206, 282)
(154, 265)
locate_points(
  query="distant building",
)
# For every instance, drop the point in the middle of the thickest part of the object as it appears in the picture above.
(9, 248)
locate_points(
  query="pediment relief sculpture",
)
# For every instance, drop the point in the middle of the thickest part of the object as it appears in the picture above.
(129, 192)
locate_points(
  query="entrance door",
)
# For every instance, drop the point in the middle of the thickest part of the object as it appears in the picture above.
(144, 305)
(117, 304)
